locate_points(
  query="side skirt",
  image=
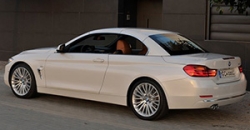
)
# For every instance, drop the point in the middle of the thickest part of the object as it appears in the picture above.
(112, 99)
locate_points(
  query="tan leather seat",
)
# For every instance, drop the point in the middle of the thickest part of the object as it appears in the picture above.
(123, 46)
(144, 50)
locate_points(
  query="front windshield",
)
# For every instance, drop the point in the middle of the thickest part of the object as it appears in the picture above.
(176, 44)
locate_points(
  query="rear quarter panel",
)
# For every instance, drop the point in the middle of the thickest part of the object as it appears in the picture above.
(124, 69)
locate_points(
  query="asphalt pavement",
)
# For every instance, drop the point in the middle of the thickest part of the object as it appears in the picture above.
(48, 112)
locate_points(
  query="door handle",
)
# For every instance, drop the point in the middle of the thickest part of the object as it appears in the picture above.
(98, 60)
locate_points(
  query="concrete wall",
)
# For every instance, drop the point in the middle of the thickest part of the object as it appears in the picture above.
(189, 17)
(28, 24)
(185, 16)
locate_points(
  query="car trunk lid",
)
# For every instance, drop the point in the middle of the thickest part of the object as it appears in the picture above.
(226, 66)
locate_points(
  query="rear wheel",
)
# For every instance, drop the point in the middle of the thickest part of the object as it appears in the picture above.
(148, 100)
(22, 81)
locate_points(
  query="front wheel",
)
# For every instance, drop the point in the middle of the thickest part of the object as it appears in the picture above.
(148, 100)
(22, 81)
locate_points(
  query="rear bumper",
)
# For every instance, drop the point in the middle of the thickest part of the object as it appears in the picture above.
(207, 103)
(186, 93)
(226, 98)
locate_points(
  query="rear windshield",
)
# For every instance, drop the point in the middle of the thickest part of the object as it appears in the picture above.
(176, 44)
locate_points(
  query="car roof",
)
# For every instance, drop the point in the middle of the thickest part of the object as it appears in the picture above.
(139, 31)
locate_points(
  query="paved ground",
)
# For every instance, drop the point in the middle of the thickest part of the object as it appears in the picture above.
(47, 112)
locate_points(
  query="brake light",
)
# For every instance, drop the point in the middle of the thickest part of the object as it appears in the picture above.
(240, 69)
(199, 71)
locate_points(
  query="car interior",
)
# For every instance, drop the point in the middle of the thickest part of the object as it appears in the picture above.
(108, 43)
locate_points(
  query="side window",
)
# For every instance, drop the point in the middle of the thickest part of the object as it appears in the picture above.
(132, 46)
(97, 43)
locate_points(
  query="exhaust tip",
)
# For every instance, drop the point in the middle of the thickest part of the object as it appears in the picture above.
(214, 107)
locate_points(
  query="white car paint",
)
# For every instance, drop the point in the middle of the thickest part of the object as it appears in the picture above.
(109, 76)
(86, 71)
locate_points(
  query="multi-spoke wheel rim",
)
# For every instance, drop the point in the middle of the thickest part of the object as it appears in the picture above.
(146, 99)
(21, 81)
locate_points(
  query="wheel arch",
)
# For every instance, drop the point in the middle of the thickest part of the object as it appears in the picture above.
(141, 78)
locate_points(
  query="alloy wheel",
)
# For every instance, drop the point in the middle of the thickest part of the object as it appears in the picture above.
(21, 81)
(146, 99)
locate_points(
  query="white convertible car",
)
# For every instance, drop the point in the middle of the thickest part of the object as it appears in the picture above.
(150, 71)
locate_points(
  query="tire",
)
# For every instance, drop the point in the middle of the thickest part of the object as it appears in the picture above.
(22, 81)
(147, 100)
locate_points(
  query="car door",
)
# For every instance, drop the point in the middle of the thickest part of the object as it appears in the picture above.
(79, 68)
(125, 67)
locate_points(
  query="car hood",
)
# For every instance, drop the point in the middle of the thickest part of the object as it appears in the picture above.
(211, 60)
(38, 51)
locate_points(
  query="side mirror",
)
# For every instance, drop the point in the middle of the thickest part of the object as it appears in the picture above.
(61, 48)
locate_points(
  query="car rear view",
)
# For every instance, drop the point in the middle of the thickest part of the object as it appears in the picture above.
(212, 80)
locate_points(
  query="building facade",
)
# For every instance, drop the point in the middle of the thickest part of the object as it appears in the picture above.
(28, 24)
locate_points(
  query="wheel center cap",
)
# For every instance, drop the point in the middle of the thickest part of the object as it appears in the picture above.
(146, 99)
(23, 81)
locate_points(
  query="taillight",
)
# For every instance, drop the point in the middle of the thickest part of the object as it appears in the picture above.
(199, 71)
(240, 69)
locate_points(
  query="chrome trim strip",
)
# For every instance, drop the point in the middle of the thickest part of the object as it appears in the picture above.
(213, 100)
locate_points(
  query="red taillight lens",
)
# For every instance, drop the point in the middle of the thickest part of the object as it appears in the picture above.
(240, 69)
(206, 96)
(199, 71)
